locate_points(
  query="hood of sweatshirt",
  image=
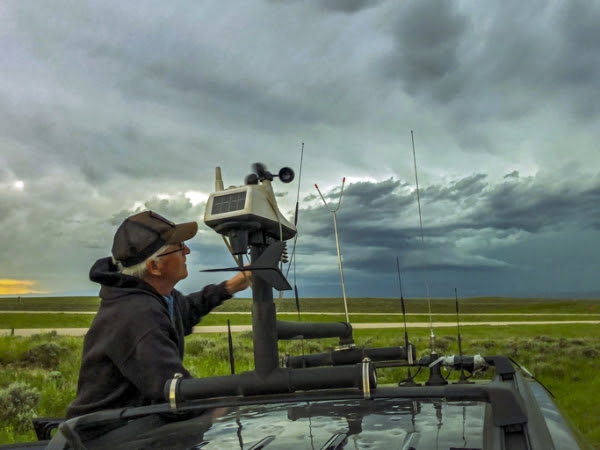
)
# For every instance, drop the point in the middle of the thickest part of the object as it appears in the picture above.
(115, 284)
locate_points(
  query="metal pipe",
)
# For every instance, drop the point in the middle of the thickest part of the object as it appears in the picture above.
(280, 380)
(339, 255)
(264, 329)
(347, 357)
(313, 330)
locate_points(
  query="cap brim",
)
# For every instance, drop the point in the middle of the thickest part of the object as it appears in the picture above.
(183, 232)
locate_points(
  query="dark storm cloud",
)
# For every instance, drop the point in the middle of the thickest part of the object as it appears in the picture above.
(378, 198)
(530, 205)
(163, 61)
(374, 222)
(343, 6)
(347, 6)
(98, 154)
(547, 46)
(552, 47)
(523, 204)
(183, 70)
(457, 190)
(427, 37)
(360, 194)
(579, 69)
(193, 89)
(486, 64)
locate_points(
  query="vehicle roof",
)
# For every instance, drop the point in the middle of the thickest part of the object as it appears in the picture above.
(486, 414)
(378, 423)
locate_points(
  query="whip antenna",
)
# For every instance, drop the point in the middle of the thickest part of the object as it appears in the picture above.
(337, 242)
(409, 381)
(432, 336)
(293, 256)
(230, 342)
(298, 192)
(463, 378)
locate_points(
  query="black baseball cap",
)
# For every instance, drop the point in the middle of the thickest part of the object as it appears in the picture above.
(142, 234)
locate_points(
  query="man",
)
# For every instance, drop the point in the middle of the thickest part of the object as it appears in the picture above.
(136, 341)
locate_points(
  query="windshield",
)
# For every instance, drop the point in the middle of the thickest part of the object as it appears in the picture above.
(379, 423)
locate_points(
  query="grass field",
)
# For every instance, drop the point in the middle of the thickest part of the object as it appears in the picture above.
(66, 320)
(361, 310)
(478, 305)
(565, 358)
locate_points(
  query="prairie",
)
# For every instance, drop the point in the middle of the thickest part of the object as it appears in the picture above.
(38, 374)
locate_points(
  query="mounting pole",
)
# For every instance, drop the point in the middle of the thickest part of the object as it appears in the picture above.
(337, 242)
(264, 322)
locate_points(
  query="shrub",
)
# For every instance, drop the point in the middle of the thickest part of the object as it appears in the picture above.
(546, 339)
(198, 346)
(55, 375)
(44, 336)
(17, 405)
(591, 353)
(444, 343)
(47, 355)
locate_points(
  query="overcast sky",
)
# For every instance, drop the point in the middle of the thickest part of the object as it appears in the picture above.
(109, 107)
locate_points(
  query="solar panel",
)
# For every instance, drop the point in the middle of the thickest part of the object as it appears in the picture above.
(229, 202)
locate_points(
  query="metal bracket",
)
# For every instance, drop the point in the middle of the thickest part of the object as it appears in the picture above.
(366, 378)
(173, 390)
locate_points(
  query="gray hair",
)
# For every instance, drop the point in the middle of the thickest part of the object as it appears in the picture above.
(139, 270)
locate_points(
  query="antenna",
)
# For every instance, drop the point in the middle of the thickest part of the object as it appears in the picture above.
(293, 256)
(296, 237)
(463, 378)
(230, 342)
(298, 193)
(409, 381)
(432, 336)
(435, 374)
(337, 242)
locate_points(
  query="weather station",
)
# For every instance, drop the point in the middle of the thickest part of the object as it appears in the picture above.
(238, 212)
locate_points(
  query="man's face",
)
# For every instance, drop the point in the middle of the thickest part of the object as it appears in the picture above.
(172, 262)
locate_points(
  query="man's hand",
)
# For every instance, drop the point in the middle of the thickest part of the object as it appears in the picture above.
(238, 283)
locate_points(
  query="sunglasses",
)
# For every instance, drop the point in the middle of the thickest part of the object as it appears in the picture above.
(180, 247)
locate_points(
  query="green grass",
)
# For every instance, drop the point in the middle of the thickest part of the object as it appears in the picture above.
(50, 304)
(53, 376)
(355, 305)
(62, 320)
(565, 358)
(417, 309)
(66, 320)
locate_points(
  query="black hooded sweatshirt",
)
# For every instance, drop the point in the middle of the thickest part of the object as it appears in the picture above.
(133, 346)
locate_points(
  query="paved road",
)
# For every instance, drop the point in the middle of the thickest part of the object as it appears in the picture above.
(356, 326)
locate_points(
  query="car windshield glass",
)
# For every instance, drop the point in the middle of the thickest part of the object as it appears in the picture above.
(379, 423)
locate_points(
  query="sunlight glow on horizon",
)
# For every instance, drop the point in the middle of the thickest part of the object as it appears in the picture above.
(10, 286)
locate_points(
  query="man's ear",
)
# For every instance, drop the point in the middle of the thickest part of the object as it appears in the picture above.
(153, 267)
